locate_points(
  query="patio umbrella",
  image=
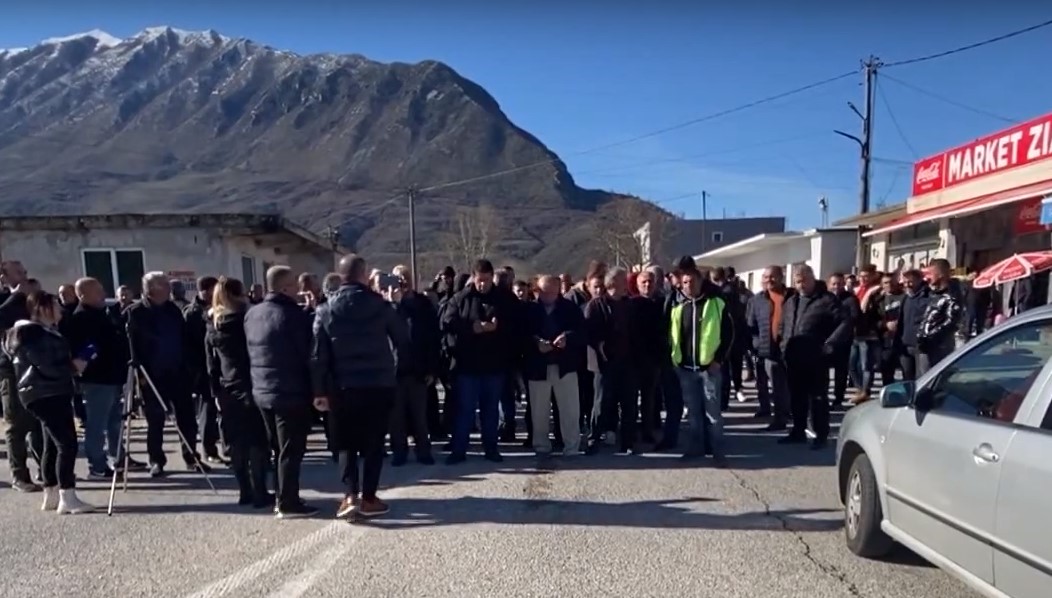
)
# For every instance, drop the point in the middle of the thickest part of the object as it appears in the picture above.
(1017, 267)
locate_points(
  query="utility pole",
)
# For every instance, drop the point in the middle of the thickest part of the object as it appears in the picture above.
(865, 143)
(704, 221)
(411, 193)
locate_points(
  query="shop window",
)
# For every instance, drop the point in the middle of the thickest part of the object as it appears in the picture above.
(115, 267)
(248, 270)
(717, 237)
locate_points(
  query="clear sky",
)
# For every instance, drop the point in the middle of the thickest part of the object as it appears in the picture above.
(583, 74)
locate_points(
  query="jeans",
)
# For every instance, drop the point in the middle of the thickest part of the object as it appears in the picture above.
(288, 428)
(102, 425)
(701, 393)
(865, 357)
(772, 372)
(480, 392)
(362, 416)
(60, 440)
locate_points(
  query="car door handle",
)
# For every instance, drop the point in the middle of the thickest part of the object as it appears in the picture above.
(985, 453)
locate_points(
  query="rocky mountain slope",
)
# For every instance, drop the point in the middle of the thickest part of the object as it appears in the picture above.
(170, 120)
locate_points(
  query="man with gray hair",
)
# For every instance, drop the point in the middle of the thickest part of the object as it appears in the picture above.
(277, 332)
(156, 336)
(609, 321)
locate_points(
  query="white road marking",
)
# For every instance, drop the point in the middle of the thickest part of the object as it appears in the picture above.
(299, 585)
(344, 534)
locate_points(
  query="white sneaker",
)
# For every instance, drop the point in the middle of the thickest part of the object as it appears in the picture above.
(69, 503)
(741, 397)
(50, 499)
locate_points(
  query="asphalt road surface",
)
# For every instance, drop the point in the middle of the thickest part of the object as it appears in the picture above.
(769, 526)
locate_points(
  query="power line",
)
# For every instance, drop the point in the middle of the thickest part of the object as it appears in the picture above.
(971, 46)
(952, 102)
(895, 122)
(708, 117)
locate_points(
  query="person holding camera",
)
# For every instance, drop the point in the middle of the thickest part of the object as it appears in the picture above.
(45, 370)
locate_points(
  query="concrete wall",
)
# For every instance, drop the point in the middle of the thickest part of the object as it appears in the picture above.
(55, 256)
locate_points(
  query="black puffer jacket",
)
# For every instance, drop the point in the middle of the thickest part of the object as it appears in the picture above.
(93, 326)
(354, 334)
(42, 362)
(196, 313)
(487, 352)
(277, 333)
(226, 354)
(813, 325)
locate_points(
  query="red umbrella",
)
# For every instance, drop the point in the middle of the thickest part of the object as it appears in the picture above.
(1019, 266)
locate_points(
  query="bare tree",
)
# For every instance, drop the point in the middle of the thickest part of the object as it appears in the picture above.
(630, 232)
(473, 232)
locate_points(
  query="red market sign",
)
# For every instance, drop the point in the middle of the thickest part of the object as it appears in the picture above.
(1028, 218)
(1021, 145)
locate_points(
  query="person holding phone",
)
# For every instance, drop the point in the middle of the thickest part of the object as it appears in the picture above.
(96, 340)
(45, 370)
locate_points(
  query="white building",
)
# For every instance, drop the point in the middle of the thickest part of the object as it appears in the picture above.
(119, 249)
(826, 250)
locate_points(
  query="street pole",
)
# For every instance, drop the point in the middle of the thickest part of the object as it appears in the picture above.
(412, 234)
(704, 221)
(865, 143)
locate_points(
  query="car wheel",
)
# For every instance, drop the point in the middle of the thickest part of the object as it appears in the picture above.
(863, 513)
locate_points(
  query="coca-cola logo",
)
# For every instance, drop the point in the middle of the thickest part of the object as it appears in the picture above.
(929, 173)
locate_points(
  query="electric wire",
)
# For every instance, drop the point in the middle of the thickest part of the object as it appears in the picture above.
(895, 121)
(950, 101)
(967, 47)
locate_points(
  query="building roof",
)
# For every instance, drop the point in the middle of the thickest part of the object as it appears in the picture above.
(685, 237)
(235, 223)
(766, 240)
(875, 217)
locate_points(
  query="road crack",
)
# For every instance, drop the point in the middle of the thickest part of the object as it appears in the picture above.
(829, 570)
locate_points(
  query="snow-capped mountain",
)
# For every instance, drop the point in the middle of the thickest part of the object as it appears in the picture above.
(168, 119)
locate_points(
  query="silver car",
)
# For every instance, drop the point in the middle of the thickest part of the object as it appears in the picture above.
(958, 465)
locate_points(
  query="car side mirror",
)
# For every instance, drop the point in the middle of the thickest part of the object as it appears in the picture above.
(924, 400)
(899, 394)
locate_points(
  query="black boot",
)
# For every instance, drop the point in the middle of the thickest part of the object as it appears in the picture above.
(239, 465)
(258, 459)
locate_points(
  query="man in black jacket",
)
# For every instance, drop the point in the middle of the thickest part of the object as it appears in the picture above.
(156, 335)
(732, 366)
(610, 324)
(195, 313)
(354, 378)
(841, 358)
(914, 305)
(763, 320)
(416, 374)
(90, 330)
(866, 347)
(278, 335)
(23, 431)
(486, 345)
(651, 344)
(813, 326)
(938, 331)
(553, 353)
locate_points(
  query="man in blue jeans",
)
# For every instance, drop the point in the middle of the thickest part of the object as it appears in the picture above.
(92, 332)
(486, 347)
(701, 335)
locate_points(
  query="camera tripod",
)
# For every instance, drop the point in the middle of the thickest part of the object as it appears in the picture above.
(133, 395)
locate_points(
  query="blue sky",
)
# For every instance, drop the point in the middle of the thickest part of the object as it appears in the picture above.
(585, 74)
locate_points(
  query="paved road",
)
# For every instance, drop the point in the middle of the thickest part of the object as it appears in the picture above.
(590, 526)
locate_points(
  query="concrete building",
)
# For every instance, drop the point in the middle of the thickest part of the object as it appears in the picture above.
(119, 249)
(692, 237)
(826, 250)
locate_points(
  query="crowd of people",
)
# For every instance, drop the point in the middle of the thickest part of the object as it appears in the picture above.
(614, 358)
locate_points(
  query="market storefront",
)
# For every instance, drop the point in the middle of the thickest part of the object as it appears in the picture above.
(975, 204)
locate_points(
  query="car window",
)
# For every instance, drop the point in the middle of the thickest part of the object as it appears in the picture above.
(992, 380)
